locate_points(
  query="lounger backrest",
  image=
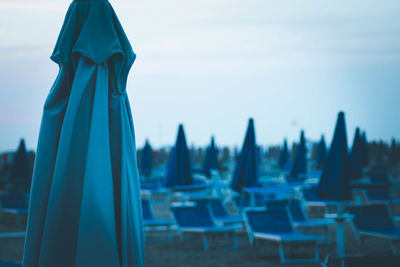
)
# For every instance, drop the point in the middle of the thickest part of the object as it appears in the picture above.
(217, 208)
(296, 211)
(277, 204)
(378, 194)
(373, 217)
(269, 221)
(147, 210)
(244, 200)
(193, 216)
(14, 201)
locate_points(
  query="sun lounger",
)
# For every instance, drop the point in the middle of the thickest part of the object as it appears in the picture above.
(195, 218)
(275, 225)
(152, 223)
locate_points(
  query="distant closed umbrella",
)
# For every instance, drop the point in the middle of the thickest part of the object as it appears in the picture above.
(321, 153)
(85, 207)
(179, 166)
(393, 158)
(211, 158)
(334, 183)
(300, 158)
(364, 151)
(355, 162)
(20, 171)
(247, 166)
(146, 159)
(284, 155)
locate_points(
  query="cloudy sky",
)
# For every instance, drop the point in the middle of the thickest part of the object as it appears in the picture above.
(212, 64)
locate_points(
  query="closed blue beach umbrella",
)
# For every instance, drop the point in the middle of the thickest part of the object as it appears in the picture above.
(85, 207)
(284, 155)
(300, 158)
(247, 166)
(355, 161)
(321, 153)
(364, 151)
(334, 183)
(20, 171)
(211, 158)
(179, 166)
(146, 159)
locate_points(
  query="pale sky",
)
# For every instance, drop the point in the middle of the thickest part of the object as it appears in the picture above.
(212, 64)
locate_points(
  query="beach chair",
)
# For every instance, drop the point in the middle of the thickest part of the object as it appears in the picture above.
(357, 261)
(375, 220)
(299, 216)
(152, 223)
(194, 218)
(221, 214)
(275, 225)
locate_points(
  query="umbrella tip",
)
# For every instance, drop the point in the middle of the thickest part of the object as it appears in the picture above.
(341, 114)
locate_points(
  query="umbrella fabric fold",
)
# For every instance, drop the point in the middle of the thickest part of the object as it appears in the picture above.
(85, 207)
(355, 159)
(211, 158)
(334, 183)
(247, 165)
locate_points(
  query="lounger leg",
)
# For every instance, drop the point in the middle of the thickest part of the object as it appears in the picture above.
(316, 252)
(235, 241)
(205, 242)
(281, 253)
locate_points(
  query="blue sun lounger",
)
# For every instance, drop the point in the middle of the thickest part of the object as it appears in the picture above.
(375, 220)
(220, 213)
(15, 203)
(150, 222)
(275, 225)
(194, 218)
(299, 216)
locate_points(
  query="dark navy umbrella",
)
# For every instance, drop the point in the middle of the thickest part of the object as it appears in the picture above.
(365, 152)
(246, 170)
(284, 155)
(300, 161)
(393, 153)
(355, 162)
(321, 153)
(179, 168)
(20, 171)
(334, 183)
(146, 159)
(211, 158)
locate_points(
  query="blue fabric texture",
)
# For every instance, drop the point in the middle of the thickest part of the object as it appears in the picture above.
(211, 158)
(179, 166)
(274, 221)
(374, 217)
(85, 207)
(355, 161)
(247, 165)
(334, 183)
(146, 159)
(193, 216)
(300, 160)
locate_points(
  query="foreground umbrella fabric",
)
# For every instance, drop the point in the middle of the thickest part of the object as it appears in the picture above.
(85, 207)
(334, 183)
(179, 167)
(246, 170)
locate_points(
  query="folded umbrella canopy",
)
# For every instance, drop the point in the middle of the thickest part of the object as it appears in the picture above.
(321, 153)
(247, 165)
(300, 158)
(364, 149)
(85, 207)
(355, 161)
(334, 183)
(284, 155)
(179, 166)
(146, 159)
(20, 176)
(211, 158)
